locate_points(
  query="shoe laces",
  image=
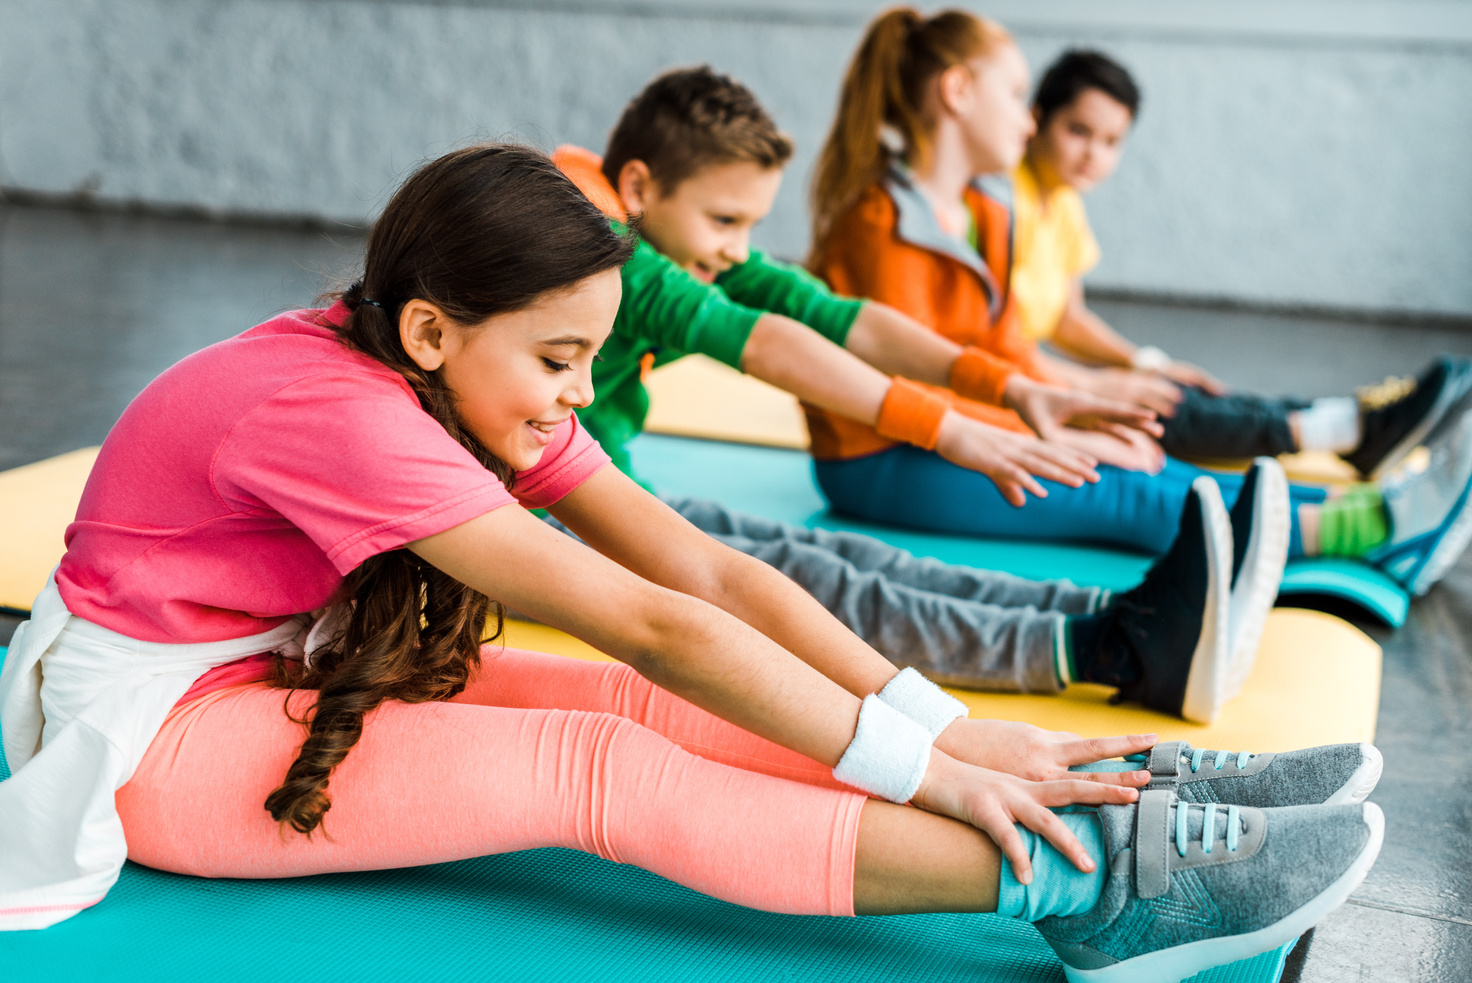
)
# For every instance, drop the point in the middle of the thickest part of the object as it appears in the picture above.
(1208, 827)
(1379, 395)
(1198, 754)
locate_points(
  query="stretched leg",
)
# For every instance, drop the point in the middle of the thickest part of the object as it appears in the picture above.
(430, 783)
(522, 680)
(1233, 425)
(911, 487)
(872, 555)
(969, 627)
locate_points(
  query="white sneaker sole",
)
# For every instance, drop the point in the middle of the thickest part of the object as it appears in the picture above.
(1184, 961)
(1210, 662)
(1363, 781)
(1262, 571)
(1448, 549)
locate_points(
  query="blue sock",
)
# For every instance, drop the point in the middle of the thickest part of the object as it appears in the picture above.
(1058, 887)
(1135, 762)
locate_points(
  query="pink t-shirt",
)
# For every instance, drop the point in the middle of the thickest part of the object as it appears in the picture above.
(241, 486)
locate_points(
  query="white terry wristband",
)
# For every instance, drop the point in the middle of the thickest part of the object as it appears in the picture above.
(922, 701)
(1151, 359)
(888, 755)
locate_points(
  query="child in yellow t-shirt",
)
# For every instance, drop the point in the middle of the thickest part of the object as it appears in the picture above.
(1084, 108)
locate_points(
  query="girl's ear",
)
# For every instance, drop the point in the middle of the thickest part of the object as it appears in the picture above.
(954, 85)
(635, 186)
(421, 332)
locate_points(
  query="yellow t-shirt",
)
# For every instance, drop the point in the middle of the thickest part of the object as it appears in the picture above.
(1052, 246)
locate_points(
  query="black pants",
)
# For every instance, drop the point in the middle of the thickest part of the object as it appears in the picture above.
(1234, 425)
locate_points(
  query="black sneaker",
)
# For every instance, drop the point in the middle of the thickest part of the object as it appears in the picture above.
(1261, 524)
(1165, 643)
(1399, 414)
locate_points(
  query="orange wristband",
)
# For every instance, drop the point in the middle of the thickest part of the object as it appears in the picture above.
(911, 414)
(980, 375)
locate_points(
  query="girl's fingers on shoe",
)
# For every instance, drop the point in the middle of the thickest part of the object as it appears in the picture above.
(1047, 825)
(1076, 790)
(996, 823)
(1131, 779)
(1089, 750)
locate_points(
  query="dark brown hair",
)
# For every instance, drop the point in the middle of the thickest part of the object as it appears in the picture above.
(900, 54)
(691, 117)
(479, 232)
(1075, 72)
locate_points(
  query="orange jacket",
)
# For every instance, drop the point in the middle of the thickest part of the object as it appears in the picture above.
(888, 247)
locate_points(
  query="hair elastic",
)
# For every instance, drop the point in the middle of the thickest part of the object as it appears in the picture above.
(371, 303)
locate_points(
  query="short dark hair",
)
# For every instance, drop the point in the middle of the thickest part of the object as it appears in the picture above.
(1077, 71)
(688, 118)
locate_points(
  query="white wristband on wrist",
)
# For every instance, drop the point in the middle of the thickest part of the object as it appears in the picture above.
(1150, 359)
(888, 755)
(922, 701)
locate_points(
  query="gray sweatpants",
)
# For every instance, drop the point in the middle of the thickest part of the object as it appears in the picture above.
(966, 627)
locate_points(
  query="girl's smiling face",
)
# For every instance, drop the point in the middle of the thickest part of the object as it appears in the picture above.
(516, 377)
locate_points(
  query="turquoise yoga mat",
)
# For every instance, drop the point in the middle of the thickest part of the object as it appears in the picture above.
(778, 484)
(531, 916)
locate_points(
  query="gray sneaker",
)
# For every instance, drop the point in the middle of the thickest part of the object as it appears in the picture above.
(1336, 774)
(1191, 887)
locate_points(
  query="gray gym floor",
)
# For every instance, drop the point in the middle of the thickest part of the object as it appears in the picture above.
(93, 306)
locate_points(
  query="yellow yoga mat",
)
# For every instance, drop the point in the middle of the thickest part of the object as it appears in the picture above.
(37, 502)
(1316, 681)
(700, 397)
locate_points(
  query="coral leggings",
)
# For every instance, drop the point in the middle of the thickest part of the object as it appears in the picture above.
(538, 751)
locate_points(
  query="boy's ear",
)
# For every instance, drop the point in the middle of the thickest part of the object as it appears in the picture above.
(636, 185)
(421, 332)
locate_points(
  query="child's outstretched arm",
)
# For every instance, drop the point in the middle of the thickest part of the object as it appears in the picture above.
(622, 521)
(793, 357)
(894, 343)
(1088, 337)
(695, 650)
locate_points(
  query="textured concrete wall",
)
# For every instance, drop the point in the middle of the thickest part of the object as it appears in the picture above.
(1295, 152)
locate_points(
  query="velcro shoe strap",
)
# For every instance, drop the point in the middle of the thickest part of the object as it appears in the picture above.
(1165, 759)
(1152, 842)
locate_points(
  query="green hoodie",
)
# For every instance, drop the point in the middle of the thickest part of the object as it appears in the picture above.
(667, 311)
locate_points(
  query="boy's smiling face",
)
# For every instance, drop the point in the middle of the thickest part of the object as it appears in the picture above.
(1081, 143)
(704, 222)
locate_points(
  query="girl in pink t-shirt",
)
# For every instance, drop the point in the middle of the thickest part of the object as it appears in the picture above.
(377, 453)
(373, 458)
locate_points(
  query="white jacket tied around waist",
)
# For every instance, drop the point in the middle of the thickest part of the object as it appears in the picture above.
(79, 705)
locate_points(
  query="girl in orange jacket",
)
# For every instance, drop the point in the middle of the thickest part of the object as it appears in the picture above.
(906, 212)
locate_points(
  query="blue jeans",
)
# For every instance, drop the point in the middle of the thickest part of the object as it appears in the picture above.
(906, 486)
